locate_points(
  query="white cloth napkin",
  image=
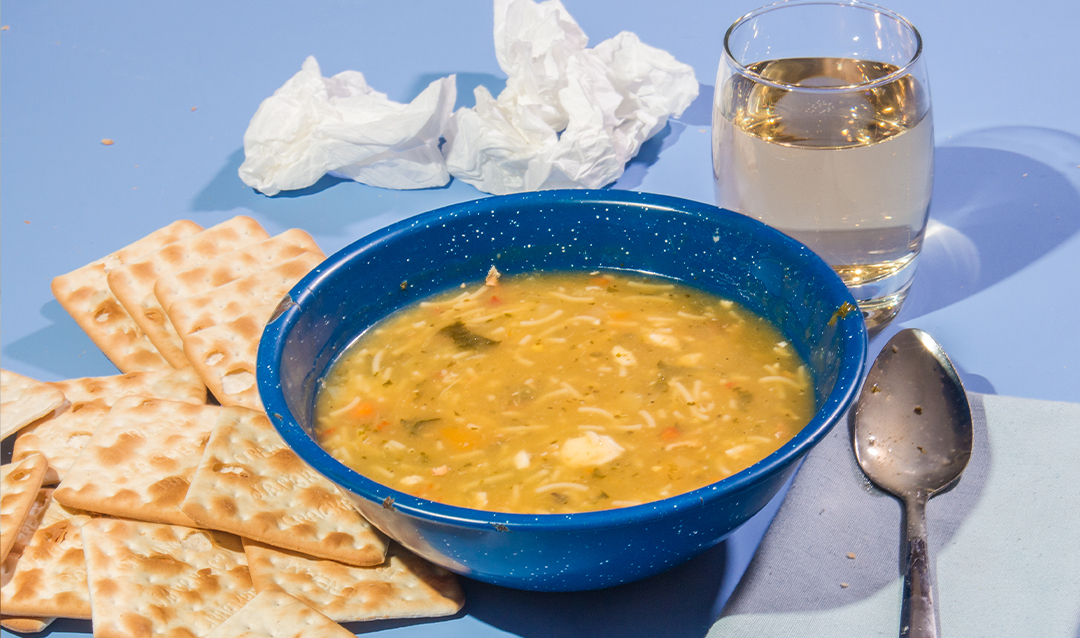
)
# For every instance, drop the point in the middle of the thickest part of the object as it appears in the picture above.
(1005, 541)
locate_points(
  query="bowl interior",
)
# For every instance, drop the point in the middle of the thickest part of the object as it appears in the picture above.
(699, 245)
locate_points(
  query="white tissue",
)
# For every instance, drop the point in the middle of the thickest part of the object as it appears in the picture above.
(533, 44)
(569, 117)
(313, 125)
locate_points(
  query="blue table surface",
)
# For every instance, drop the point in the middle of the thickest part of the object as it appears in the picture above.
(175, 85)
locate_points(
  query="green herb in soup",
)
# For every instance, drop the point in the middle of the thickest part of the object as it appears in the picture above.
(565, 392)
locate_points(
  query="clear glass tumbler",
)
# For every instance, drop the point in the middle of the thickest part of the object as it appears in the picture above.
(822, 128)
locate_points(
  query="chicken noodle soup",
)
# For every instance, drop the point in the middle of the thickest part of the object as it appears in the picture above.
(565, 392)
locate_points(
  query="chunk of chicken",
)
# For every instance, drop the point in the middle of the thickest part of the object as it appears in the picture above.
(590, 449)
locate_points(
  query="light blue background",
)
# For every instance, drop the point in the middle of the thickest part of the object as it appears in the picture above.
(997, 285)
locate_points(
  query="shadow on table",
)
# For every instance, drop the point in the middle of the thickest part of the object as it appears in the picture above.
(699, 113)
(837, 539)
(638, 167)
(330, 206)
(1003, 198)
(334, 206)
(61, 347)
(674, 604)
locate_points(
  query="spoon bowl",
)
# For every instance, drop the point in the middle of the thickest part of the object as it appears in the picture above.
(912, 437)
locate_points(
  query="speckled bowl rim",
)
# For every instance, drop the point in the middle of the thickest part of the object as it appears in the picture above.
(851, 332)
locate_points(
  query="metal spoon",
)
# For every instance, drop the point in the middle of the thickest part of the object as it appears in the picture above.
(912, 435)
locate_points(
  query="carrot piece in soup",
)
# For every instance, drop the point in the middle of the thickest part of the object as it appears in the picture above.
(670, 433)
(460, 437)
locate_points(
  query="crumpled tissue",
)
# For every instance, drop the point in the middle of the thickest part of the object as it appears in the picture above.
(313, 125)
(569, 116)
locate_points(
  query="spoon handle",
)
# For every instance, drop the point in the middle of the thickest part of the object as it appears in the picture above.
(918, 617)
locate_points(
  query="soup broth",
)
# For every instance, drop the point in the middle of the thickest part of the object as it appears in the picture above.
(564, 392)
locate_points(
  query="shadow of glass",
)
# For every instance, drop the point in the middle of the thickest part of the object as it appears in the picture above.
(676, 603)
(1003, 198)
(836, 539)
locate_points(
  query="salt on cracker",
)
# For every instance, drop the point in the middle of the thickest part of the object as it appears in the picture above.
(274, 614)
(133, 283)
(48, 578)
(263, 288)
(251, 484)
(233, 265)
(61, 438)
(19, 485)
(140, 460)
(225, 355)
(24, 400)
(162, 580)
(84, 293)
(405, 586)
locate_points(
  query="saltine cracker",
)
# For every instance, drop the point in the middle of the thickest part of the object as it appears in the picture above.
(133, 283)
(251, 484)
(84, 293)
(225, 355)
(274, 614)
(233, 265)
(26, 625)
(49, 577)
(149, 580)
(405, 586)
(140, 460)
(62, 437)
(24, 400)
(263, 288)
(19, 485)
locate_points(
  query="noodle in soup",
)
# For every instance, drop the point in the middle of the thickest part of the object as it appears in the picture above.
(563, 392)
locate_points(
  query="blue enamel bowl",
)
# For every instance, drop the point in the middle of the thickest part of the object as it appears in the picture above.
(706, 247)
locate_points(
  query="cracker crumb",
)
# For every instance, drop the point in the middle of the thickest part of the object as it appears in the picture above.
(5, 28)
(194, 107)
(492, 277)
(851, 555)
(844, 585)
(107, 142)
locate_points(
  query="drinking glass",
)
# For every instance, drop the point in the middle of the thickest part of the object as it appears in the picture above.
(822, 128)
